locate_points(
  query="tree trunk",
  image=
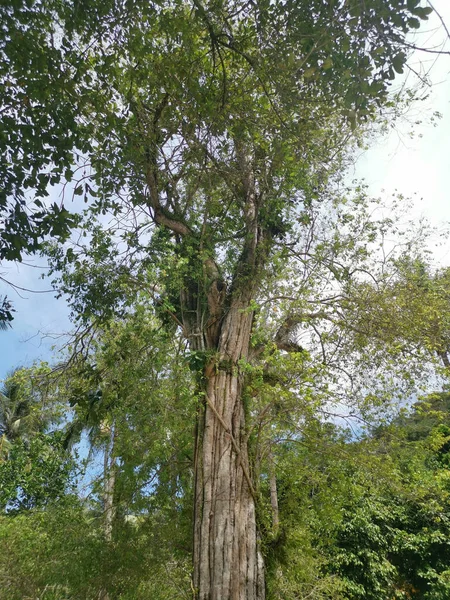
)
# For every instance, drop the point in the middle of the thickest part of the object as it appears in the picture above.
(109, 475)
(227, 561)
(109, 482)
(274, 496)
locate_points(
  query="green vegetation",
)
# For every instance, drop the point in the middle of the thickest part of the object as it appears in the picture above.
(232, 299)
(357, 518)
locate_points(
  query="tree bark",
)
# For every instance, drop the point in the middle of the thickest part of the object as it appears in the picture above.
(109, 485)
(109, 482)
(228, 564)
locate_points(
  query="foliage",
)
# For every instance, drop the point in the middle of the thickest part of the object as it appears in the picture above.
(407, 309)
(35, 473)
(60, 554)
(116, 84)
(359, 518)
(49, 554)
(25, 405)
(214, 137)
(373, 514)
(34, 468)
(6, 311)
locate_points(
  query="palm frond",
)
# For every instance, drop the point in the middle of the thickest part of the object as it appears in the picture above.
(6, 311)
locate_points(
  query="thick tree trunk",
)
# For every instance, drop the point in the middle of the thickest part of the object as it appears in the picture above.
(227, 562)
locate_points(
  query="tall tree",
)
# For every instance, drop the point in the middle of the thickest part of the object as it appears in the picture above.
(217, 126)
(34, 468)
(23, 410)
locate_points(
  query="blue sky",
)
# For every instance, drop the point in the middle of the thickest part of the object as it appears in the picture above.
(39, 318)
(418, 166)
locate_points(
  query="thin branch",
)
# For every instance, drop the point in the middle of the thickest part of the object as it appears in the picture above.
(440, 18)
(18, 287)
(428, 50)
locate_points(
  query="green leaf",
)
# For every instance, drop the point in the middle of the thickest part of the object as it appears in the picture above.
(423, 12)
(414, 23)
(398, 62)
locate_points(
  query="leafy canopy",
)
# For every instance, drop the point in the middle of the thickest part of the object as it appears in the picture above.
(104, 95)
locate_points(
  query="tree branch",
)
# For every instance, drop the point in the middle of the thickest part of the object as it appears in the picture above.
(161, 215)
(285, 334)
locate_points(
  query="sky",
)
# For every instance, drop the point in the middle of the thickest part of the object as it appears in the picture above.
(418, 167)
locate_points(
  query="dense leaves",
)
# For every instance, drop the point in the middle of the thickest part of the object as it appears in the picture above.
(358, 519)
(116, 87)
(35, 473)
(371, 516)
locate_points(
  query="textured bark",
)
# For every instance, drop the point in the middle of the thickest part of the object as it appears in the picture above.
(227, 562)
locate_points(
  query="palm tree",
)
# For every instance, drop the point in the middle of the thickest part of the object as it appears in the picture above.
(94, 418)
(14, 410)
(19, 417)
